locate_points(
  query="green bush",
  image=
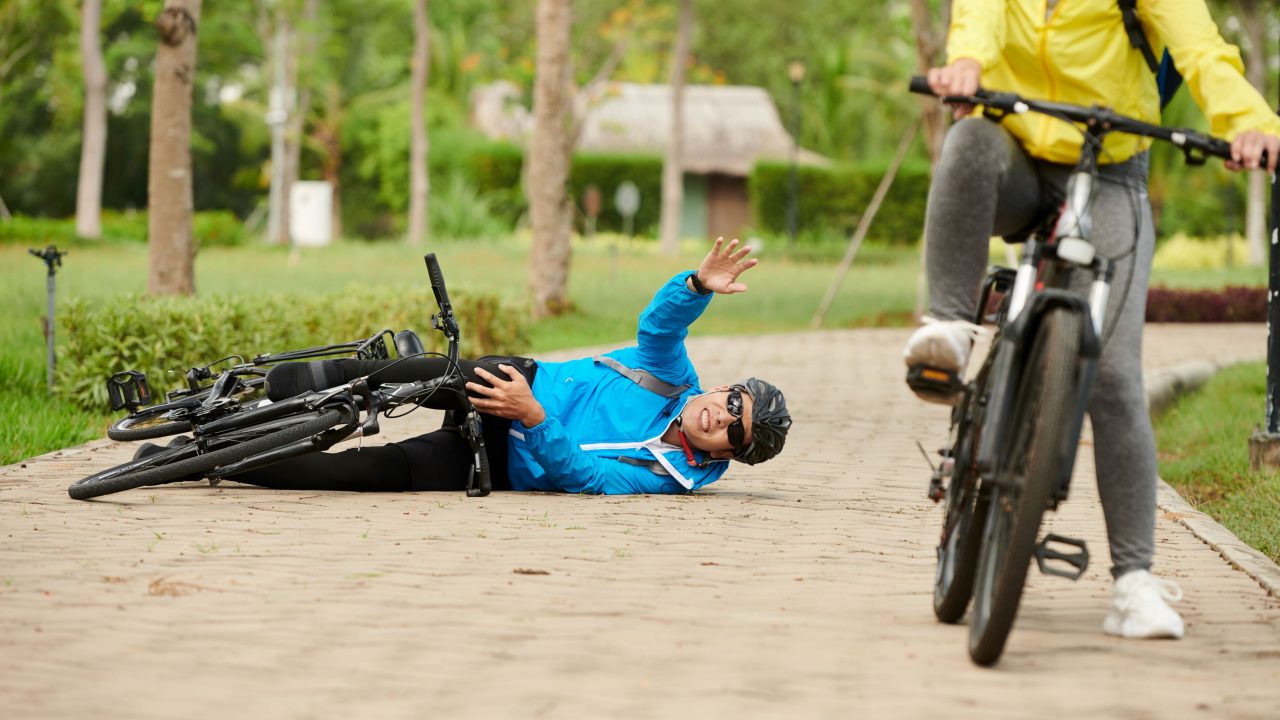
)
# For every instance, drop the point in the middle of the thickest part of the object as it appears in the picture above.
(218, 228)
(496, 168)
(606, 172)
(459, 211)
(831, 200)
(165, 336)
(1198, 202)
(210, 228)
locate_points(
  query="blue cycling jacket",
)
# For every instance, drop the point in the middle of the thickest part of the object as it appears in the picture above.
(595, 415)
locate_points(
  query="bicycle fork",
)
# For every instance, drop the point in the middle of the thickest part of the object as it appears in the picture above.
(1029, 299)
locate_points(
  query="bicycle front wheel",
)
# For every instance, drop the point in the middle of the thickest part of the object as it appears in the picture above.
(189, 462)
(171, 418)
(1023, 489)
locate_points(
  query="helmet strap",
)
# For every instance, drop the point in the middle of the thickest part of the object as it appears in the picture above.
(684, 443)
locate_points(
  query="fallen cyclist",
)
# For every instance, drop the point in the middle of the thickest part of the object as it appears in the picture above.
(633, 420)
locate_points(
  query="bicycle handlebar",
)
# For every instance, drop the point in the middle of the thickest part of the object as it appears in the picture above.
(1098, 118)
(445, 321)
(437, 284)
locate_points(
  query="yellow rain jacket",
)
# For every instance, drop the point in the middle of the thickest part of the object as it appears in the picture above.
(1079, 53)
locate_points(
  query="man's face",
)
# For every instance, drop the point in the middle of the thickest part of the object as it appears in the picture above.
(707, 418)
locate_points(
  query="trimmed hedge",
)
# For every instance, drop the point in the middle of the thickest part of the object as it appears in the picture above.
(164, 337)
(495, 170)
(210, 228)
(831, 200)
(1230, 304)
(607, 172)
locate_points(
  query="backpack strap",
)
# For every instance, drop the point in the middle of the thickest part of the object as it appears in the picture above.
(1137, 38)
(643, 378)
(654, 466)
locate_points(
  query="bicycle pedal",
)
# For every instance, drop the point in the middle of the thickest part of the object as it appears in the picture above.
(934, 384)
(1077, 559)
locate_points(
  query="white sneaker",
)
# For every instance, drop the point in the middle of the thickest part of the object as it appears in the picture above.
(942, 344)
(1140, 607)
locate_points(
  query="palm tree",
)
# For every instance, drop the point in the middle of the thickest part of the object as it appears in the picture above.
(93, 146)
(673, 165)
(169, 189)
(548, 172)
(419, 180)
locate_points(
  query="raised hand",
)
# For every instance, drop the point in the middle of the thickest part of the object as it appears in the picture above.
(721, 267)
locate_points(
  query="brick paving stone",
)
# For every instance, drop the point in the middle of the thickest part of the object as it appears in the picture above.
(798, 588)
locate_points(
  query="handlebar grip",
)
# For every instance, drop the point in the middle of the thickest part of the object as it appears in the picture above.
(437, 282)
(919, 84)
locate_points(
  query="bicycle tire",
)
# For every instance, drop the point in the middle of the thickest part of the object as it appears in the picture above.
(185, 461)
(1017, 501)
(958, 550)
(148, 423)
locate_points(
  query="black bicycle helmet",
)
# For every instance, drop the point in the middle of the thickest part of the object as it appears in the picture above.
(769, 422)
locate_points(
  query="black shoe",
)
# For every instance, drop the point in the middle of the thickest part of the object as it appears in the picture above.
(295, 378)
(149, 449)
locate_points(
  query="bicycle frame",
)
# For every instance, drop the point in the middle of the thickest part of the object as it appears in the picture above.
(1041, 283)
(358, 400)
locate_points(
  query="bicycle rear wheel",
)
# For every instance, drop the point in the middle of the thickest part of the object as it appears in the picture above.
(167, 418)
(958, 547)
(1021, 493)
(189, 462)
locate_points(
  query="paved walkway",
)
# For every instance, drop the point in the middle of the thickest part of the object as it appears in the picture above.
(799, 588)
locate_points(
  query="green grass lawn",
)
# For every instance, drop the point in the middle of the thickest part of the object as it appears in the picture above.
(1203, 452)
(611, 281)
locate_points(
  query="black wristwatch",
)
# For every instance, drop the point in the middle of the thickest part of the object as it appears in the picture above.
(698, 287)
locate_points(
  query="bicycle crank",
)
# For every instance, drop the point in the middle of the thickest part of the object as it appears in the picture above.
(1051, 549)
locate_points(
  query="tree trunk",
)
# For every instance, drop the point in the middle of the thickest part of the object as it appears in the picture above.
(1255, 69)
(673, 165)
(169, 186)
(549, 162)
(419, 180)
(328, 133)
(93, 147)
(302, 47)
(278, 119)
(931, 39)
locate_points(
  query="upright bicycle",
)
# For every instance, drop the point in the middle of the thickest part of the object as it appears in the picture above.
(1014, 432)
(232, 432)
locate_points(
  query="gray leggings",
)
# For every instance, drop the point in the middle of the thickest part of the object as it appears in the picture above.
(985, 184)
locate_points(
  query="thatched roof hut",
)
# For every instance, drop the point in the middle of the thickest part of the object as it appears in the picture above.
(728, 128)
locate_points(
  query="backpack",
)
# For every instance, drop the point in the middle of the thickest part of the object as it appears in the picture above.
(1168, 79)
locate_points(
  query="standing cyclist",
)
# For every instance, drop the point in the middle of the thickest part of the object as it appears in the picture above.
(630, 421)
(994, 179)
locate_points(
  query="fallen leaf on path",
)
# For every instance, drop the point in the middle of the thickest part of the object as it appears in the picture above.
(172, 588)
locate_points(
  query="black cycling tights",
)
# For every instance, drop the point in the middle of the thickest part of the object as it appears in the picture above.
(438, 460)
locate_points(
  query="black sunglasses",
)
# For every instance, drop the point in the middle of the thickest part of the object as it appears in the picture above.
(736, 432)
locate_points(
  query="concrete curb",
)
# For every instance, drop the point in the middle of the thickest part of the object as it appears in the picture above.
(1163, 387)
